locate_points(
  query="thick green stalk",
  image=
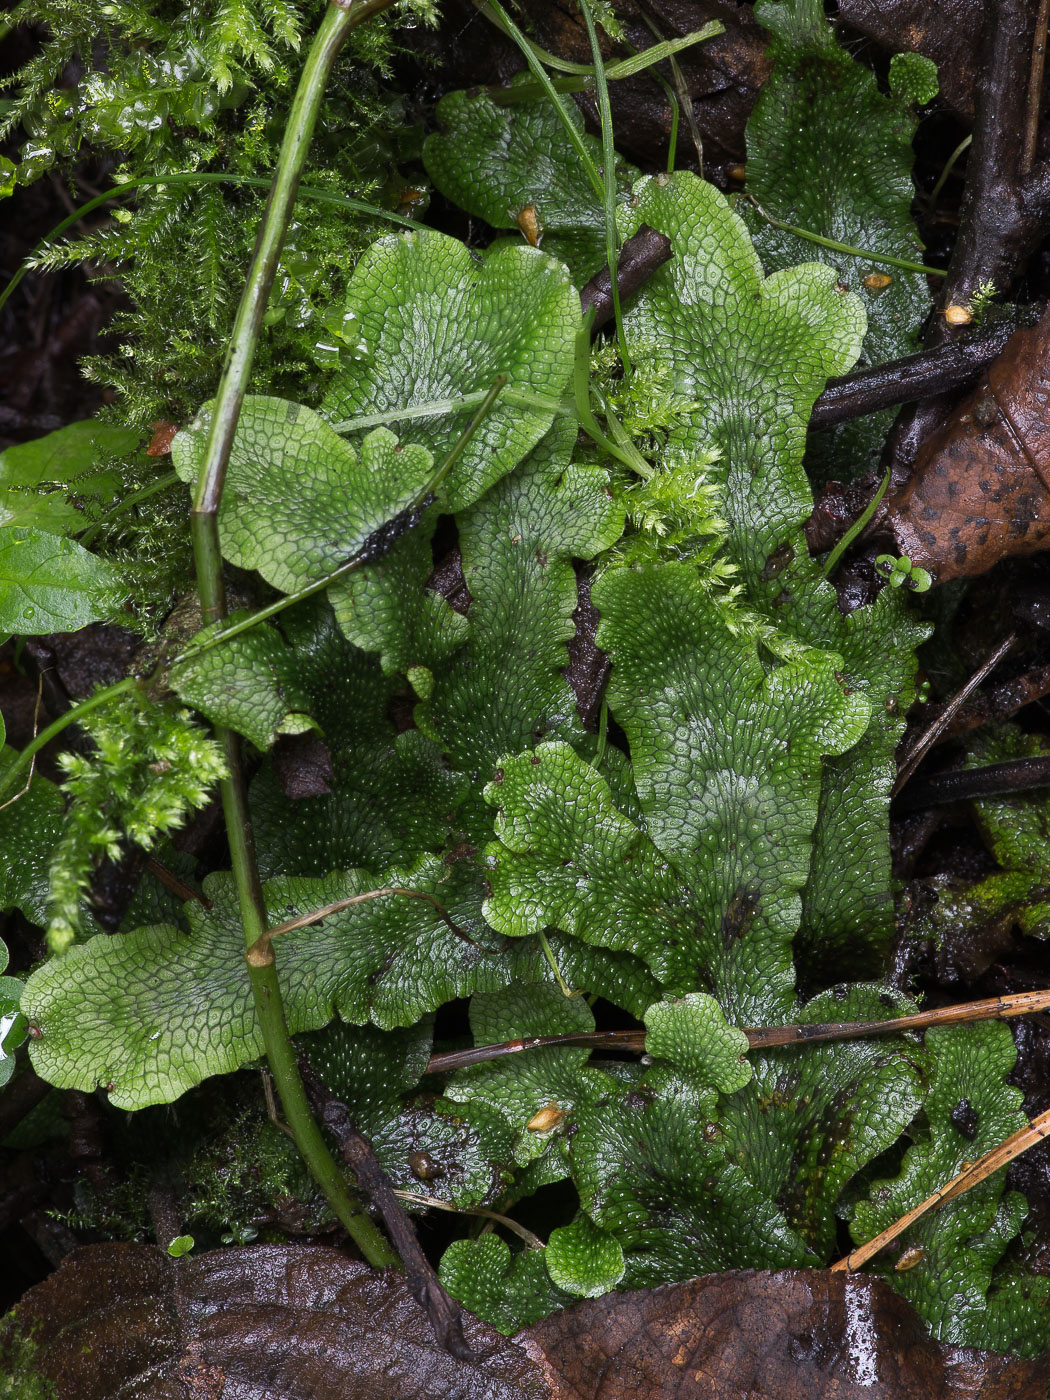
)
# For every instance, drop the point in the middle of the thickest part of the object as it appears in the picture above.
(333, 30)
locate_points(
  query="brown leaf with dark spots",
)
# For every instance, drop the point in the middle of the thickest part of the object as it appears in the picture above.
(980, 488)
(744, 1335)
(267, 1323)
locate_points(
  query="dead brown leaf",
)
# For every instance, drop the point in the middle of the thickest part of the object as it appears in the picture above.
(267, 1323)
(980, 488)
(799, 1335)
(304, 1323)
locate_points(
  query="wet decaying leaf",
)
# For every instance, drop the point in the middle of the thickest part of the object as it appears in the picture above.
(301, 1323)
(800, 1335)
(271, 1323)
(980, 488)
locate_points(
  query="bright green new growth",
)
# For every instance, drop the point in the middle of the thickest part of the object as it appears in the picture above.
(584, 1260)
(150, 769)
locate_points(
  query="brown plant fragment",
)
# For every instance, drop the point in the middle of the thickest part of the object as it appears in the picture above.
(744, 1335)
(163, 436)
(980, 488)
(303, 766)
(266, 1323)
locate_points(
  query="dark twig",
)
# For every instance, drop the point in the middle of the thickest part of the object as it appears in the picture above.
(914, 377)
(1002, 217)
(936, 727)
(443, 1312)
(19, 1099)
(639, 258)
(996, 231)
(965, 784)
(1035, 89)
(996, 704)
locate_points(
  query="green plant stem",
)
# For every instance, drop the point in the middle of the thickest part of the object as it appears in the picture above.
(21, 765)
(331, 34)
(627, 453)
(831, 563)
(846, 248)
(949, 165)
(583, 73)
(608, 180)
(357, 206)
(544, 80)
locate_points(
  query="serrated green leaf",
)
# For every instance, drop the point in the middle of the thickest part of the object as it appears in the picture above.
(495, 159)
(509, 1292)
(299, 501)
(653, 1171)
(829, 153)
(969, 1109)
(434, 324)
(811, 1119)
(721, 335)
(692, 1034)
(250, 683)
(35, 477)
(584, 1260)
(155, 1011)
(391, 795)
(568, 858)
(50, 584)
(726, 756)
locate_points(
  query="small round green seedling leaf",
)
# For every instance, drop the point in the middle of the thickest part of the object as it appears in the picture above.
(913, 78)
(693, 1034)
(180, 1245)
(508, 1291)
(583, 1259)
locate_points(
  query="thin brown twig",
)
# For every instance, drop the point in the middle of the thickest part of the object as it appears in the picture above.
(972, 1174)
(997, 703)
(175, 883)
(936, 728)
(763, 1037)
(443, 1312)
(259, 949)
